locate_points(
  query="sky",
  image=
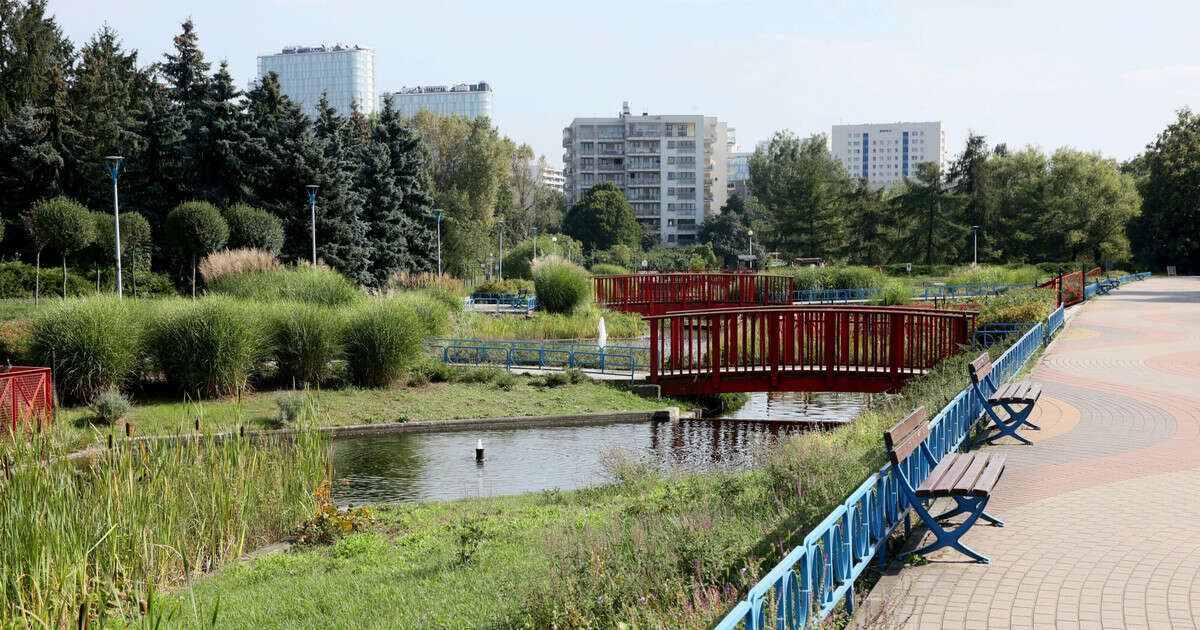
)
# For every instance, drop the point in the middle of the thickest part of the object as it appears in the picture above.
(1096, 76)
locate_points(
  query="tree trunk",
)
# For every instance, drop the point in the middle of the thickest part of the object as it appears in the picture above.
(133, 275)
(97, 278)
(37, 280)
(193, 276)
(64, 275)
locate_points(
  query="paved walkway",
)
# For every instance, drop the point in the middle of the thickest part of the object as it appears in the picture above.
(1103, 512)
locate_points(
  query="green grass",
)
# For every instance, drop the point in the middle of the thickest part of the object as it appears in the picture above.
(341, 407)
(547, 326)
(15, 309)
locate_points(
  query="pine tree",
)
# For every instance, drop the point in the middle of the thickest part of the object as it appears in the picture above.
(342, 233)
(222, 150)
(413, 227)
(155, 181)
(186, 72)
(31, 44)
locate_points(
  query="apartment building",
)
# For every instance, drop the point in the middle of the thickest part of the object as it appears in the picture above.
(673, 169)
(549, 177)
(465, 99)
(885, 154)
(344, 73)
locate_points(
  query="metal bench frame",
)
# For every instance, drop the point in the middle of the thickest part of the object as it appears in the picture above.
(973, 506)
(1016, 419)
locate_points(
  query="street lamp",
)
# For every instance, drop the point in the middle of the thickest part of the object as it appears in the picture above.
(439, 239)
(750, 233)
(312, 201)
(113, 162)
(554, 239)
(500, 268)
(975, 254)
(534, 244)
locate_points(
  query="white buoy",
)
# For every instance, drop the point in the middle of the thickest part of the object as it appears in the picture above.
(479, 450)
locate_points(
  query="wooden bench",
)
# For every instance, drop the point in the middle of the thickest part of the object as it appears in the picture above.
(968, 478)
(1003, 396)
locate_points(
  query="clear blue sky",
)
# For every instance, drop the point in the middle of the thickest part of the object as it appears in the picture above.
(1101, 76)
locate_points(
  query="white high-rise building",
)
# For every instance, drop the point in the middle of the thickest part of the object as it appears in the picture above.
(345, 74)
(549, 177)
(886, 154)
(672, 169)
(465, 99)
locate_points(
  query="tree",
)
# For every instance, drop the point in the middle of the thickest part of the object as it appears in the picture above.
(602, 219)
(1168, 230)
(1018, 180)
(867, 220)
(343, 243)
(31, 44)
(196, 228)
(727, 233)
(186, 72)
(935, 234)
(63, 225)
(1089, 205)
(802, 189)
(155, 182)
(253, 227)
(221, 151)
(969, 178)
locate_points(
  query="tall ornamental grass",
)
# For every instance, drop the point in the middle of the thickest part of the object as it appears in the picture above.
(432, 312)
(97, 342)
(305, 339)
(88, 540)
(382, 338)
(232, 262)
(1021, 306)
(209, 347)
(561, 286)
(302, 283)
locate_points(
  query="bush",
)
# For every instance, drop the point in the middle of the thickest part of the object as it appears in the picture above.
(301, 283)
(305, 339)
(16, 342)
(1023, 306)
(518, 263)
(603, 269)
(505, 380)
(194, 229)
(17, 280)
(509, 285)
(233, 262)
(381, 338)
(895, 293)
(289, 407)
(110, 407)
(209, 347)
(431, 312)
(253, 228)
(97, 341)
(561, 287)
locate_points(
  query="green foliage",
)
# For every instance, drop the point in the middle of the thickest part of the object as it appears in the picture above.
(17, 280)
(432, 312)
(1168, 230)
(691, 258)
(802, 188)
(814, 278)
(301, 283)
(578, 325)
(508, 285)
(194, 229)
(16, 343)
(895, 293)
(605, 269)
(1023, 306)
(382, 338)
(253, 228)
(209, 347)
(518, 262)
(305, 338)
(97, 344)
(561, 287)
(290, 407)
(328, 523)
(62, 225)
(602, 219)
(110, 407)
(505, 380)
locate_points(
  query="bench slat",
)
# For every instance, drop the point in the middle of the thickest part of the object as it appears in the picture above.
(896, 434)
(942, 478)
(910, 444)
(964, 485)
(1035, 391)
(980, 367)
(987, 481)
(936, 475)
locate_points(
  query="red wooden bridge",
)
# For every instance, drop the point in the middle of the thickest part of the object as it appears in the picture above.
(655, 293)
(800, 348)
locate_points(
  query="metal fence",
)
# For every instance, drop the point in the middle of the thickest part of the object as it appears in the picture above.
(831, 296)
(26, 395)
(541, 355)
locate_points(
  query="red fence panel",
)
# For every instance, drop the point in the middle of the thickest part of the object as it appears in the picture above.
(655, 293)
(1069, 288)
(26, 395)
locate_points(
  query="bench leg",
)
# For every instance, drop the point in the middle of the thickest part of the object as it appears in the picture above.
(950, 537)
(1024, 414)
(963, 507)
(1007, 427)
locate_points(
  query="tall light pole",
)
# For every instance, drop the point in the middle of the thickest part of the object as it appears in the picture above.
(312, 202)
(534, 244)
(975, 254)
(750, 233)
(500, 268)
(113, 162)
(554, 239)
(439, 239)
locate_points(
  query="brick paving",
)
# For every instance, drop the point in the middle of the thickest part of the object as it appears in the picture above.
(1102, 513)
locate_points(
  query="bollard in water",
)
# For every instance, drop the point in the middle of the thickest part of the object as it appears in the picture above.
(479, 451)
(197, 423)
(128, 430)
(110, 441)
(242, 431)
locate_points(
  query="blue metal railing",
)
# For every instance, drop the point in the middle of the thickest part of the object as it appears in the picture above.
(516, 300)
(919, 293)
(541, 355)
(989, 334)
(1054, 322)
(1090, 290)
(810, 581)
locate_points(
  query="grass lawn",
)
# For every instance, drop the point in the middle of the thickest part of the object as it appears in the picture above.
(339, 407)
(15, 308)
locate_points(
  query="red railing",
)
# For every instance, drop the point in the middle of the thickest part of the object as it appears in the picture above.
(1068, 288)
(801, 348)
(655, 293)
(26, 395)
(1096, 272)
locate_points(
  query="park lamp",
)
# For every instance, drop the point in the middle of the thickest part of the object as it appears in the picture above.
(312, 201)
(113, 163)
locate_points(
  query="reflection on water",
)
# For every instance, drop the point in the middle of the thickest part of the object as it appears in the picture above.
(441, 466)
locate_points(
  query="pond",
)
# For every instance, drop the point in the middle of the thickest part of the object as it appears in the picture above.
(441, 466)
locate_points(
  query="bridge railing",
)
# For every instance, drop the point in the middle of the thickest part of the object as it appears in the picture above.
(989, 334)
(833, 296)
(653, 293)
(541, 355)
(810, 581)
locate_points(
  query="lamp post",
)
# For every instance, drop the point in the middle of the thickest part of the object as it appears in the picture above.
(554, 239)
(975, 253)
(750, 233)
(534, 245)
(439, 241)
(312, 201)
(500, 263)
(113, 162)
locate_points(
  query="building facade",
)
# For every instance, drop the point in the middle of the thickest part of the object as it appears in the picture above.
(672, 169)
(465, 99)
(739, 175)
(345, 74)
(885, 154)
(549, 177)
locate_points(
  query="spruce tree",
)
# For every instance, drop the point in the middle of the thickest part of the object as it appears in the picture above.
(341, 231)
(222, 151)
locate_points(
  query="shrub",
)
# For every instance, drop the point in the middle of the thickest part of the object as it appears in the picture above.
(289, 407)
(16, 342)
(432, 313)
(110, 407)
(195, 228)
(97, 342)
(381, 338)
(305, 339)
(556, 379)
(603, 269)
(233, 262)
(518, 262)
(561, 287)
(895, 293)
(1023, 306)
(301, 283)
(208, 347)
(17, 280)
(63, 225)
(509, 285)
(505, 380)
(253, 228)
